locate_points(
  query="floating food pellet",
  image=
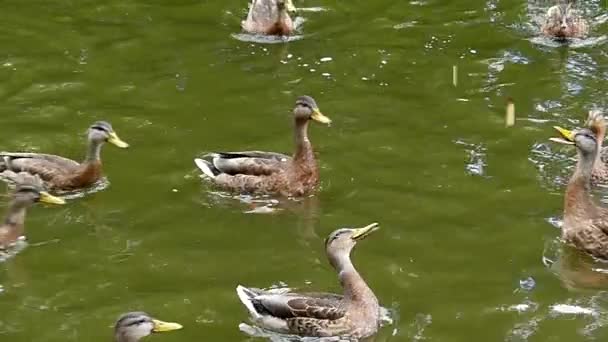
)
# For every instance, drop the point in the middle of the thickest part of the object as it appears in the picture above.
(510, 117)
(455, 75)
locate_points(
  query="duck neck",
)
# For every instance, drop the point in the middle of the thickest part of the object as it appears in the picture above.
(93, 152)
(355, 288)
(578, 201)
(15, 217)
(304, 150)
(600, 142)
(124, 337)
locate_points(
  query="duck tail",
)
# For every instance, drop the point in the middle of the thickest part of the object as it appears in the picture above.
(206, 167)
(247, 297)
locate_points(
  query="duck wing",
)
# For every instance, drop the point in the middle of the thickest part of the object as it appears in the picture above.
(253, 163)
(47, 166)
(292, 305)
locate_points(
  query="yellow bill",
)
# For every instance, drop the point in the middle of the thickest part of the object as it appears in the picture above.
(361, 233)
(319, 117)
(115, 140)
(160, 326)
(567, 136)
(45, 197)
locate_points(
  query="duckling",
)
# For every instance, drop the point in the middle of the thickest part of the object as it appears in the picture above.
(133, 326)
(59, 173)
(29, 190)
(355, 314)
(563, 21)
(270, 17)
(585, 222)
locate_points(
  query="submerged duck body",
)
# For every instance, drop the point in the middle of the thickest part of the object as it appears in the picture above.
(269, 17)
(59, 173)
(133, 326)
(355, 314)
(563, 21)
(259, 172)
(585, 223)
(28, 190)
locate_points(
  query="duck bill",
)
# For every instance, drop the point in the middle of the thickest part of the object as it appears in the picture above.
(319, 117)
(45, 197)
(362, 233)
(567, 137)
(160, 326)
(116, 141)
(290, 6)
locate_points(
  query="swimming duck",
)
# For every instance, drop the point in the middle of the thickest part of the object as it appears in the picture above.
(28, 190)
(60, 173)
(354, 314)
(133, 326)
(563, 21)
(269, 17)
(585, 223)
(269, 172)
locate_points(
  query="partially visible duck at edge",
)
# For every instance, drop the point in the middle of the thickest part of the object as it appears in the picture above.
(59, 173)
(597, 124)
(270, 173)
(28, 190)
(563, 21)
(133, 326)
(269, 17)
(585, 222)
(353, 314)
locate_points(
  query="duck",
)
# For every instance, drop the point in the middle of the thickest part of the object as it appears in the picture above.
(563, 21)
(585, 224)
(355, 314)
(270, 173)
(28, 190)
(59, 173)
(133, 326)
(269, 17)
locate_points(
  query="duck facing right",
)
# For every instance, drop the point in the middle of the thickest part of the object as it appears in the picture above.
(585, 222)
(355, 314)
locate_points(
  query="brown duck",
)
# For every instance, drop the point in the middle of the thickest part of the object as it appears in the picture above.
(133, 326)
(585, 223)
(260, 172)
(563, 21)
(270, 17)
(28, 190)
(59, 173)
(355, 314)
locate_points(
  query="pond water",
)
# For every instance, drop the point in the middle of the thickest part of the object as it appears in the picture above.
(470, 210)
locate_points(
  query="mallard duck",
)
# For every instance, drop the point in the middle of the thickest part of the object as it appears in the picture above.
(28, 190)
(585, 223)
(563, 21)
(60, 173)
(133, 326)
(268, 172)
(269, 17)
(354, 314)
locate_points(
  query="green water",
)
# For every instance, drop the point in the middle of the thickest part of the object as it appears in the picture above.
(465, 204)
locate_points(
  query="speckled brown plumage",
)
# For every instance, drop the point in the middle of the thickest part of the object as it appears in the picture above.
(585, 223)
(269, 17)
(563, 21)
(356, 314)
(257, 172)
(59, 173)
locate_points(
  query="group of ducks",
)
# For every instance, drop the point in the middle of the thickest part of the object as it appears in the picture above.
(39, 177)
(356, 313)
(272, 17)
